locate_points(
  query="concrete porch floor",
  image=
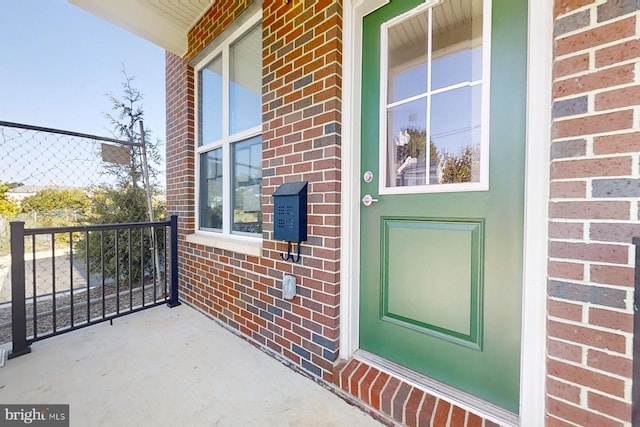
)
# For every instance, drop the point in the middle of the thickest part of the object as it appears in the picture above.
(169, 367)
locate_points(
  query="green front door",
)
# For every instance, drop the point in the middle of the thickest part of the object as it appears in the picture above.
(442, 183)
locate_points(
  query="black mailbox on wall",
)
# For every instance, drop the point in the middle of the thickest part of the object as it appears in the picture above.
(290, 212)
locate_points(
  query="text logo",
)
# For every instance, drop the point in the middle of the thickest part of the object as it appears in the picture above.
(34, 415)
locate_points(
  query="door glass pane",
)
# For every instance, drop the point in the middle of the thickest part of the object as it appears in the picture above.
(211, 189)
(247, 186)
(457, 43)
(211, 102)
(407, 144)
(407, 58)
(455, 134)
(458, 67)
(434, 96)
(245, 86)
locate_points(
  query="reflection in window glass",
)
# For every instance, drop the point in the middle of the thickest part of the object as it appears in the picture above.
(407, 56)
(434, 94)
(456, 41)
(407, 149)
(229, 150)
(455, 134)
(211, 189)
(211, 102)
(458, 67)
(247, 186)
(245, 86)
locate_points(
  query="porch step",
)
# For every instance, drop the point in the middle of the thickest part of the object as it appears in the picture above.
(410, 398)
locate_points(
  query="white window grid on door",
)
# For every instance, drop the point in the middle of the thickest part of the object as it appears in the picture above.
(483, 183)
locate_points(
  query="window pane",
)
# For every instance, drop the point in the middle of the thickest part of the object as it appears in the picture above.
(457, 43)
(247, 186)
(211, 102)
(407, 56)
(407, 144)
(245, 90)
(211, 189)
(455, 132)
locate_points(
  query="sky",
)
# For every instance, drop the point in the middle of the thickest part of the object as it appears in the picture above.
(58, 62)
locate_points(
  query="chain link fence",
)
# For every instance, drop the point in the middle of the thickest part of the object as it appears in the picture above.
(57, 178)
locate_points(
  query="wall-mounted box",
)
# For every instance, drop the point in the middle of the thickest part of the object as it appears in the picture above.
(290, 212)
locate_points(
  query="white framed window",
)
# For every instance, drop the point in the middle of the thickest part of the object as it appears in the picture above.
(229, 141)
(434, 98)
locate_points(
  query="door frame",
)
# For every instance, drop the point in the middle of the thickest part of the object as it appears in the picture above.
(538, 134)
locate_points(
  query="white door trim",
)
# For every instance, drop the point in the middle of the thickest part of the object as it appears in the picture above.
(532, 379)
(534, 293)
(354, 10)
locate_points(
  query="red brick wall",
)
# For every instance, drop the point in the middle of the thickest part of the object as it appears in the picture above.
(594, 194)
(212, 23)
(301, 141)
(180, 137)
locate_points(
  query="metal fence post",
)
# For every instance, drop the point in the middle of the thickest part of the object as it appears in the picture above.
(173, 299)
(18, 300)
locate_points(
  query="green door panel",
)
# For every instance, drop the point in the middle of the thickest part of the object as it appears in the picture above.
(440, 258)
(441, 273)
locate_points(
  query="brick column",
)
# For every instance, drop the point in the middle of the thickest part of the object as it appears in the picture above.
(180, 160)
(301, 142)
(593, 212)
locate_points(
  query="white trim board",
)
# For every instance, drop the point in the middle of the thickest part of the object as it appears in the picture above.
(537, 154)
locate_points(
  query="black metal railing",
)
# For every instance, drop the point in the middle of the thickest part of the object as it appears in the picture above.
(83, 275)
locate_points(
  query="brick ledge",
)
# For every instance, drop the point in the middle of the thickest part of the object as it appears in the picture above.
(411, 399)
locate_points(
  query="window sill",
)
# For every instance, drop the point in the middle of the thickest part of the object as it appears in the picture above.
(241, 244)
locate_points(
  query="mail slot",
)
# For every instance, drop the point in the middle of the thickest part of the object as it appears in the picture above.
(290, 212)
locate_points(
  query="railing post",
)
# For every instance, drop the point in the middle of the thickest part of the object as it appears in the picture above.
(18, 299)
(173, 299)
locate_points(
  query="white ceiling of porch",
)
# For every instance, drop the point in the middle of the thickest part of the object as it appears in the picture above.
(163, 22)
